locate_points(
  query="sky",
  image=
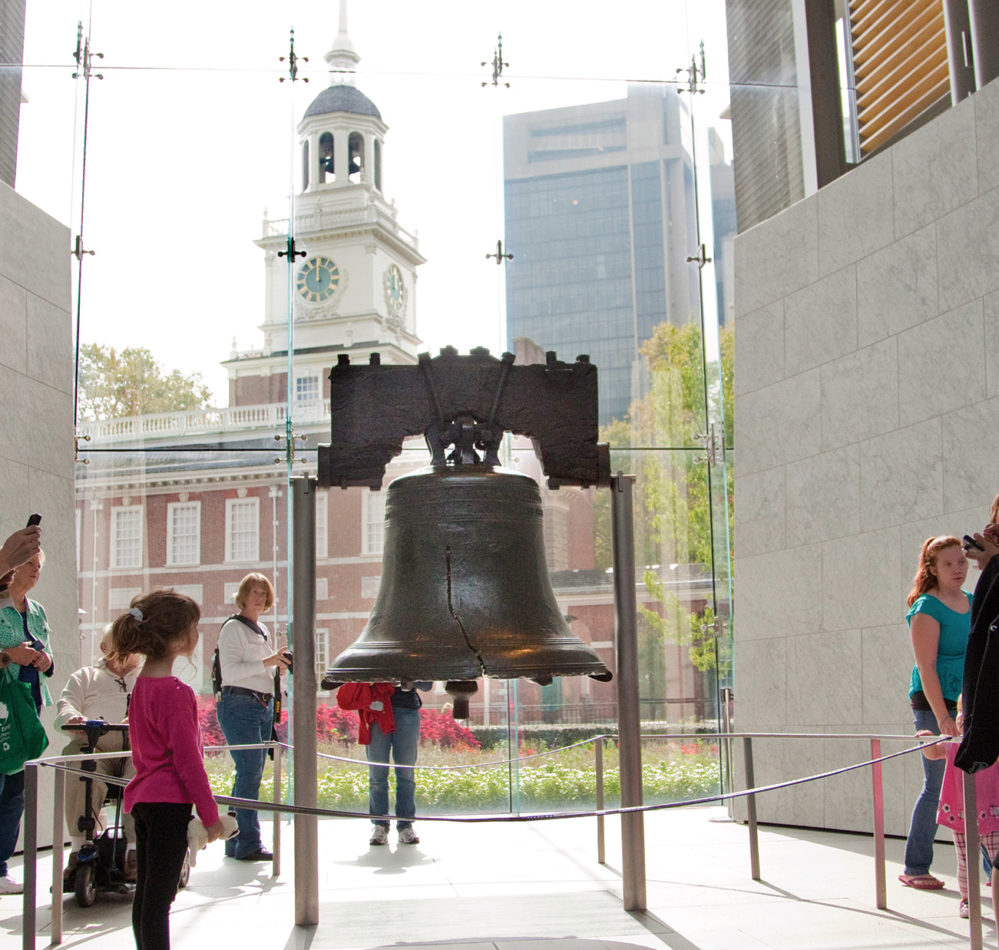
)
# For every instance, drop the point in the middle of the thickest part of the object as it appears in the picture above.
(190, 136)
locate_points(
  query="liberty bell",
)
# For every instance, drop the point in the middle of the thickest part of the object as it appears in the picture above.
(465, 590)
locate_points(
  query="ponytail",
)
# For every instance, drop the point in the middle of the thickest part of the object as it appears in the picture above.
(154, 625)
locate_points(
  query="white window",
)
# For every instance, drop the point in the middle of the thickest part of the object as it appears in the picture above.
(373, 512)
(306, 389)
(322, 523)
(120, 597)
(184, 533)
(229, 592)
(195, 591)
(369, 587)
(322, 652)
(322, 588)
(126, 536)
(242, 529)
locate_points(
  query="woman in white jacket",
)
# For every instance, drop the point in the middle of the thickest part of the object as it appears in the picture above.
(101, 691)
(248, 658)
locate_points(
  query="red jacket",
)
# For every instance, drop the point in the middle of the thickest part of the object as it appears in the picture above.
(360, 696)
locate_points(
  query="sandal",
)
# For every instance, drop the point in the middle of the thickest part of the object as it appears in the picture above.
(963, 910)
(922, 882)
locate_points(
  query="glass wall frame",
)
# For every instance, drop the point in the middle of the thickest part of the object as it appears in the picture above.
(225, 263)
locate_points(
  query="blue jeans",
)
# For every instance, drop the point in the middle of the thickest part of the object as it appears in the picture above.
(11, 809)
(402, 743)
(245, 720)
(923, 825)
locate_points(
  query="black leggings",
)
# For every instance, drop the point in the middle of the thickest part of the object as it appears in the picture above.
(160, 844)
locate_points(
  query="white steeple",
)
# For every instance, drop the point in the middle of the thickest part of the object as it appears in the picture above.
(342, 58)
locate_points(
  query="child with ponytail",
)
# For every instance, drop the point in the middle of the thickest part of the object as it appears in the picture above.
(167, 753)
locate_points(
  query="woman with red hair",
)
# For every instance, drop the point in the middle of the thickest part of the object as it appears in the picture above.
(939, 619)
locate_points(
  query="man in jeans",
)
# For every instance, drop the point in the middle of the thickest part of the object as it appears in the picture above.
(390, 728)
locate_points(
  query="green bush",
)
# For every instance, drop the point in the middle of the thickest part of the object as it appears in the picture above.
(563, 783)
(543, 735)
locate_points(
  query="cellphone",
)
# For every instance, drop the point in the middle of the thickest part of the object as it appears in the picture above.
(970, 544)
(33, 520)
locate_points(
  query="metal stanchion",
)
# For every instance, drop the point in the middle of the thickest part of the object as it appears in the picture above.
(29, 918)
(276, 817)
(599, 767)
(973, 861)
(629, 722)
(726, 748)
(58, 807)
(880, 891)
(304, 700)
(754, 838)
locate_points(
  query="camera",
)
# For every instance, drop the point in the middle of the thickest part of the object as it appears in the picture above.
(289, 656)
(971, 546)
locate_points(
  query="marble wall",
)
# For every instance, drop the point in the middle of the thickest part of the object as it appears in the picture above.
(36, 423)
(866, 400)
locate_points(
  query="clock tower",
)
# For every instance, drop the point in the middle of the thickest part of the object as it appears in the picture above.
(354, 291)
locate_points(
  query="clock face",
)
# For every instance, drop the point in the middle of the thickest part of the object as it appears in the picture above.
(395, 289)
(318, 279)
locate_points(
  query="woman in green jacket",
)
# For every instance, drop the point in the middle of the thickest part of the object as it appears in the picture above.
(24, 641)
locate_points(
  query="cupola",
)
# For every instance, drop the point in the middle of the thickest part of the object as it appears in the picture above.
(341, 133)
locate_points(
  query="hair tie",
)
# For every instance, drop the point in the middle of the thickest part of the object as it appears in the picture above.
(135, 612)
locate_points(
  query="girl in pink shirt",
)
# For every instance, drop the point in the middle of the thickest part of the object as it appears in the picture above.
(951, 815)
(167, 754)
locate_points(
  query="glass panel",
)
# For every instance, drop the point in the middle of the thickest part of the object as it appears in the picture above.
(575, 190)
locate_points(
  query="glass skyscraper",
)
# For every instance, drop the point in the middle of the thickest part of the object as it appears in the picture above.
(599, 203)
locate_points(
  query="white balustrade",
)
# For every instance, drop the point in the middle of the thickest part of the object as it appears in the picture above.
(200, 422)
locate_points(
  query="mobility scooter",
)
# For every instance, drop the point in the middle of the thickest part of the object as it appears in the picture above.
(101, 860)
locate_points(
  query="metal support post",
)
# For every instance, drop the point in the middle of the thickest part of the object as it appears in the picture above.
(599, 767)
(276, 816)
(728, 780)
(629, 722)
(29, 918)
(957, 28)
(974, 862)
(880, 891)
(984, 40)
(754, 837)
(58, 809)
(303, 558)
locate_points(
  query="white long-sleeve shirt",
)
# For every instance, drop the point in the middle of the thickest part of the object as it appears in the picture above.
(94, 692)
(242, 652)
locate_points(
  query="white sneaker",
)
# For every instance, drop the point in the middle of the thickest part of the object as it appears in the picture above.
(9, 886)
(408, 836)
(379, 835)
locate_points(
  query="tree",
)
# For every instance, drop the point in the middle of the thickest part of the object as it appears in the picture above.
(131, 382)
(673, 493)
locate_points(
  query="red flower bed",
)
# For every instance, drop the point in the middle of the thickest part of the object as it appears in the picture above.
(211, 731)
(334, 724)
(443, 730)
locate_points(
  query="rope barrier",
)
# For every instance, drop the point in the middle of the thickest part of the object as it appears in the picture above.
(283, 808)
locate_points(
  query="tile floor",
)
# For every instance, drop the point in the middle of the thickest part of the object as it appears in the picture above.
(538, 886)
